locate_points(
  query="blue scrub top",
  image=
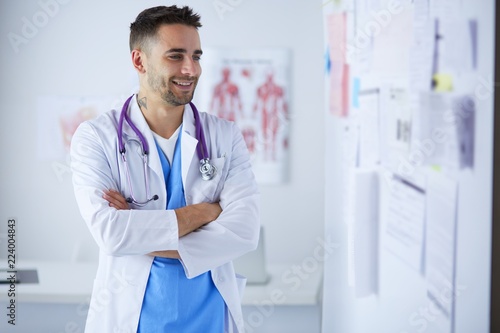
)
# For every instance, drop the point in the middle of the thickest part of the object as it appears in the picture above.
(172, 302)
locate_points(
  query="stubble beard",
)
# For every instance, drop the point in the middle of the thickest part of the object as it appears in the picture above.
(159, 84)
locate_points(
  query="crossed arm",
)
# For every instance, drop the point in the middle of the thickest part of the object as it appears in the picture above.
(189, 218)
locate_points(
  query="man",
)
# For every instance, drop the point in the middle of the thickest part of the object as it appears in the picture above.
(165, 263)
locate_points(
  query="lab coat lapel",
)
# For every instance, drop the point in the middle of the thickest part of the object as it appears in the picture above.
(188, 145)
(140, 122)
(188, 140)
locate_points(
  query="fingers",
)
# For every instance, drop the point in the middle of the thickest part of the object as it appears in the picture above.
(216, 209)
(192, 217)
(115, 199)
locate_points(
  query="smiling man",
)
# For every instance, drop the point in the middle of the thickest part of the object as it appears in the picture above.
(167, 231)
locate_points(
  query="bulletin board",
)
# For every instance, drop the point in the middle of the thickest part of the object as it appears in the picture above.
(409, 116)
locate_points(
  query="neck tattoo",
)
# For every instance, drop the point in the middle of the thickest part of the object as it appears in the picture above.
(143, 102)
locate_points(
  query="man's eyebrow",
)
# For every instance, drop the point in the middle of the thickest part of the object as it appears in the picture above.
(179, 50)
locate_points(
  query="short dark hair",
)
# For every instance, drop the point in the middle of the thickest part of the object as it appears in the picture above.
(149, 20)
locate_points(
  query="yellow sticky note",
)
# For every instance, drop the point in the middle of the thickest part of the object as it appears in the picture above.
(442, 82)
(436, 167)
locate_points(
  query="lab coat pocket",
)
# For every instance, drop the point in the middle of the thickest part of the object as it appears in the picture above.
(241, 282)
(210, 189)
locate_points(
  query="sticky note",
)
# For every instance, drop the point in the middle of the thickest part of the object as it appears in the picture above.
(356, 84)
(442, 82)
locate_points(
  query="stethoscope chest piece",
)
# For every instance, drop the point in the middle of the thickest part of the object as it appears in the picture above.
(207, 169)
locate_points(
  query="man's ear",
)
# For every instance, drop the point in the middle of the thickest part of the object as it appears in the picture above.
(139, 60)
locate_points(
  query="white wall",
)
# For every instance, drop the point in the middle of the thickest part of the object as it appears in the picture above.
(83, 51)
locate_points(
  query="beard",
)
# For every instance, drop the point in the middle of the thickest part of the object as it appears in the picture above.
(160, 85)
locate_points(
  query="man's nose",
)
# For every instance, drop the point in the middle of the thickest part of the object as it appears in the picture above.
(189, 67)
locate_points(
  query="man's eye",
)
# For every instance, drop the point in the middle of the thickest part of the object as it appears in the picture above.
(175, 57)
(196, 58)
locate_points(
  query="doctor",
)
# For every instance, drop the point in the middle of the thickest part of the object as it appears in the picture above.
(167, 236)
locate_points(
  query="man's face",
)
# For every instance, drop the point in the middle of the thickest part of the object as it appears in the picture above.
(173, 64)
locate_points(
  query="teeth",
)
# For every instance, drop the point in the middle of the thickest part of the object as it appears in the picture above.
(183, 83)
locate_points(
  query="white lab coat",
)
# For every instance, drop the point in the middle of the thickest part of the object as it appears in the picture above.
(125, 237)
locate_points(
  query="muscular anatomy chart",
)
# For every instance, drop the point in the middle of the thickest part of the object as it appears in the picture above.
(272, 107)
(250, 87)
(226, 102)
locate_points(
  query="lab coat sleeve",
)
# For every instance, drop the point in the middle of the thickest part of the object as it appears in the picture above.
(117, 232)
(236, 230)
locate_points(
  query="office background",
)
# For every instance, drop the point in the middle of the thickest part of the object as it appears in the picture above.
(81, 50)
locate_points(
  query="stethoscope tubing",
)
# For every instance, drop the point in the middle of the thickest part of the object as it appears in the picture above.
(207, 170)
(132, 198)
(124, 115)
(201, 147)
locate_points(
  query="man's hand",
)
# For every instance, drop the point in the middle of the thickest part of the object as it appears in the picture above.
(115, 199)
(190, 218)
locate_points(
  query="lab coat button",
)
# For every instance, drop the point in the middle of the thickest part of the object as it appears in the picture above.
(221, 279)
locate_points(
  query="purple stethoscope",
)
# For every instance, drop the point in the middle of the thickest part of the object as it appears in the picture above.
(207, 169)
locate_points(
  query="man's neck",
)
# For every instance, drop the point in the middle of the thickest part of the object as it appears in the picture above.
(162, 118)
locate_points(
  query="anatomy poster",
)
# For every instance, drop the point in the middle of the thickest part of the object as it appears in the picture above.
(58, 119)
(251, 87)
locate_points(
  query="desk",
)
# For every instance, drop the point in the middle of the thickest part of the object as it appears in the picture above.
(287, 298)
(58, 282)
(66, 282)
